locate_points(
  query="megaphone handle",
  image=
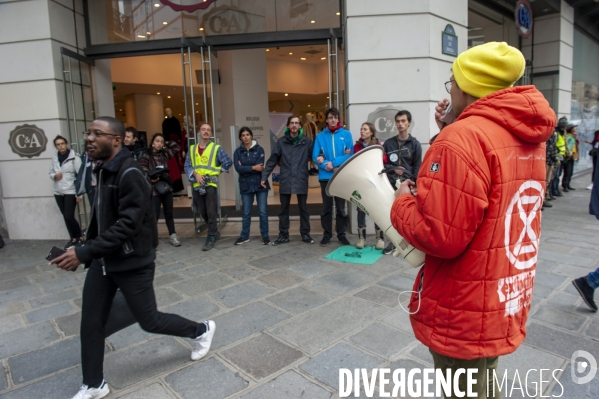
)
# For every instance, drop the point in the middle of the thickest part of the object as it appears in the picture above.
(396, 253)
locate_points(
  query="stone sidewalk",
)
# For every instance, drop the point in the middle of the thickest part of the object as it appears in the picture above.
(287, 319)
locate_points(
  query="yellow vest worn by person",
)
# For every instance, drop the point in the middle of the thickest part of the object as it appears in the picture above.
(561, 144)
(205, 164)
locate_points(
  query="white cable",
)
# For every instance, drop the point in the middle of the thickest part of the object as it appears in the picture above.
(406, 310)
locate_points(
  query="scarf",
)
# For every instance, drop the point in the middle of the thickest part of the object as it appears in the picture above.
(63, 157)
(334, 129)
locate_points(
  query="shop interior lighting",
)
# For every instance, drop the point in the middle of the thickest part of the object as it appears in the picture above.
(267, 49)
(337, 13)
(158, 93)
(156, 5)
(170, 97)
(303, 58)
(201, 28)
(286, 94)
(312, 22)
(164, 23)
(149, 33)
(290, 53)
(323, 58)
(141, 36)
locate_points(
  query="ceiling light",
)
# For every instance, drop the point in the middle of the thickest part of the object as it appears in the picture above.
(201, 28)
(120, 110)
(156, 5)
(164, 23)
(303, 58)
(267, 49)
(197, 104)
(141, 36)
(290, 53)
(337, 13)
(323, 58)
(158, 93)
(308, 105)
(149, 33)
(327, 96)
(170, 97)
(312, 22)
(286, 94)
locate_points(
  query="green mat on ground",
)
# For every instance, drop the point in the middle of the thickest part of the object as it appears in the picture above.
(351, 254)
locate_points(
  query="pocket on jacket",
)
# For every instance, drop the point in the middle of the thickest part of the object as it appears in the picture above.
(244, 186)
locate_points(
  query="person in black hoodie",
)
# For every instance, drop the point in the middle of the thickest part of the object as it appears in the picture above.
(119, 253)
(133, 143)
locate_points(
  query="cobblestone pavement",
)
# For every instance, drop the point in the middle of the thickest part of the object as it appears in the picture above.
(287, 319)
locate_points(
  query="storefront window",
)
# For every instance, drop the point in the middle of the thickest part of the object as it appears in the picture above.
(585, 93)
(115, 21)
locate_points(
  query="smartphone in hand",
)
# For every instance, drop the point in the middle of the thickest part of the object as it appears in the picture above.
(449, 116)
(54, 253)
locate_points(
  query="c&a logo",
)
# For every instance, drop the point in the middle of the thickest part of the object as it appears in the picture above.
(27, 141)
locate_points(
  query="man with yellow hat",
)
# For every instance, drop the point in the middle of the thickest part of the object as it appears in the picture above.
(476, 214)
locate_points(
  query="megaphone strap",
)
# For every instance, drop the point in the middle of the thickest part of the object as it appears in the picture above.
(404, 170)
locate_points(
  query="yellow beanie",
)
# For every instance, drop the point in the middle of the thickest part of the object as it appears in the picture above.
(489, 67)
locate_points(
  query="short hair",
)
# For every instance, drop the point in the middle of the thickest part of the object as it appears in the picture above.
(154, 137)
(245, 129)
(404, 112)
(59, 137)
(133, 131)
(333, 111)
(294, 116)
(206, 123)
(115, 124)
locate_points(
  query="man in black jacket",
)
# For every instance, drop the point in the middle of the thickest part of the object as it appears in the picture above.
(133, 143)
(119, 252)
(293, 151)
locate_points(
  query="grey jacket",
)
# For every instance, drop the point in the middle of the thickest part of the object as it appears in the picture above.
(293, 156)
(69, 169)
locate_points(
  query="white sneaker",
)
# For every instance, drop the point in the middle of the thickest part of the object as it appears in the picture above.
(175, 240)
(590, 187)
(380, 244)
(92, 393)
(201, 344)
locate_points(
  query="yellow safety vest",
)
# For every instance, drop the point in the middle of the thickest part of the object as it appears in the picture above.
(561, 144)
(206, 163)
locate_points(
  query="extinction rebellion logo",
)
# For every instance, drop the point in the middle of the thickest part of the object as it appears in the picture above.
(27, 141)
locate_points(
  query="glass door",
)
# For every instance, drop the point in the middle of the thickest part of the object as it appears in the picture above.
(77, 77)
(202, 100)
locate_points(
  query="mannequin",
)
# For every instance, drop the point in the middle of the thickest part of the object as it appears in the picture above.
(171, 129)
(310, 127)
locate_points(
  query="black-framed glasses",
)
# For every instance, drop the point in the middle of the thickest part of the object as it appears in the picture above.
(97, 133)
(448, 85)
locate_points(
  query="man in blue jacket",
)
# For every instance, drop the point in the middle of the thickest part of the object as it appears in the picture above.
(333, 146)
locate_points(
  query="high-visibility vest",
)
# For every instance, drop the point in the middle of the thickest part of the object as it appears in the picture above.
(205, 164)
(561, 144)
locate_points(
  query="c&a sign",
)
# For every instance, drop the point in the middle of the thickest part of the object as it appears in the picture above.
(27, 141)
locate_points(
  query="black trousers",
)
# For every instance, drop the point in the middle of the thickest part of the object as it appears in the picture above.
(302, 203)
(138, 290)
(207, 206)
(326, 218)
(594, 167)
(67, 204)
(568, 172)
(167, 206)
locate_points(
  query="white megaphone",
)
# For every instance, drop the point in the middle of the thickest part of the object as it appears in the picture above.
(359, 181)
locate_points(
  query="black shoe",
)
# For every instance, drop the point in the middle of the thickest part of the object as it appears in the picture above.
(307, 239)
(551, 198)
(558, 194)
(241, 241)
(547, 205)
(217, 235)
(209, 243)
(1, 242)
(586, 292)
(565, 189)
(343, 240)
(389, 250)
(280, 240)
(325, 241)
(265, 241)
(571, 188)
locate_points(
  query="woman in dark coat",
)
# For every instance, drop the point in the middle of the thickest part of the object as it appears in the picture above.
(248, 160)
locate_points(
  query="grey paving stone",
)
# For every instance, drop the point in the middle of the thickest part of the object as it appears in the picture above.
(527, 358)
(63, 283)
(568, 389)
(53, 298)
(198, 270)
(319, 328)
(325, 366)
(154, 391)
(17, 272)
(422, 353)
(18, 295)
(400, 319)
(261, 356)
(59, 386)
(137, 363)
(172, 267)
(14, 283)
(13, 309)
(245, 321)
(69, 324)
(549, 280)
(195, 309)
(559, 318)
(167, 279)
(45, 361)
(50, 312)
(593, 329)
(298, 300)
(289, 385)
(241, 293)
(26, 339)
(210, 377)
(281, 279)
(571, 271)
(10, 323)
(198, 285)
(310, 268)
(241, 272)
(566, 258)
(398, 282)
(129, 336)
(3, 382)
(343, 281)
(382, 340)
(379, 295)
(558, 342)
(166, 296)
(541, 292)
(270, 262)
(564, 301)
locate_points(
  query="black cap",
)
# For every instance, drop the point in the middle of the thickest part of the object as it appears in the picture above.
(562, 123)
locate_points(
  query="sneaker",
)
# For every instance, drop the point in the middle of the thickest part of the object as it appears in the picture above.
(380, 244)
(175, 240)
(344, 240)
(307, 239)
(586, 292)
(547, 205)
(571, 188)
(590, 187)
(241, 241)
(209, 243)
(92, 393)
(389, 250)
(325, 241)
(201, 344)
(361, 243)
(280, 240)
(217, 235)
(265, 241)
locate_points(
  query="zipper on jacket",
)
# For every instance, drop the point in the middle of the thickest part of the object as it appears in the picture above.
(103, 270)
(333, 143)
(99, 194)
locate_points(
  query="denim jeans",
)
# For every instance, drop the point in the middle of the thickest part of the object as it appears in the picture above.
(593, 279)
(248, 201)
(556, 177)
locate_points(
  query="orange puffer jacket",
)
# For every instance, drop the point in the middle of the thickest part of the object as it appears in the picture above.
(477, 216)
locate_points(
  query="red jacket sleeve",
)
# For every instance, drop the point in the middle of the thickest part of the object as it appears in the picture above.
(449, 208)
(357, 147)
